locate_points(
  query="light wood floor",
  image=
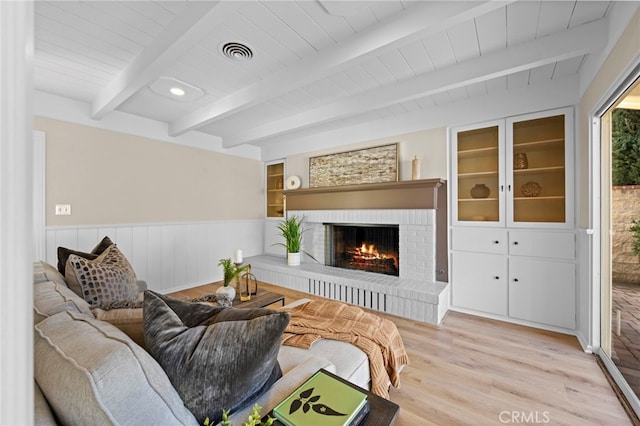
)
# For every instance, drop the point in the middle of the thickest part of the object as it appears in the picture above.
(475, 371)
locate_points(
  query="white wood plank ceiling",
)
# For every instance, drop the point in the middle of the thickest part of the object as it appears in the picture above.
(316, 64)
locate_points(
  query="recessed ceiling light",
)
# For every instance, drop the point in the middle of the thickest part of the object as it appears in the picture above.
(236, 51)
(175, 89)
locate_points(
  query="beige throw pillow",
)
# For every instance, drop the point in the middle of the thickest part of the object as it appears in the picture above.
(102, 281)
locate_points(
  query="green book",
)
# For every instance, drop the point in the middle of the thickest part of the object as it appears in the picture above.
(323, 401)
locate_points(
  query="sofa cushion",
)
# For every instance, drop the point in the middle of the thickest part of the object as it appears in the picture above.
(107, 279)
(217, 358)
(50, 298)
(351, 363)
(128, 320)
(42, 271)
(92, 373)
(42, 414)
(64, 253)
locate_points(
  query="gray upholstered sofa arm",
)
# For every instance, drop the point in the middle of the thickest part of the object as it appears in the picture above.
(142, 286)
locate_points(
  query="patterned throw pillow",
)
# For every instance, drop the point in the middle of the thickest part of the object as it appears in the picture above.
(216, 358)
(64, 253)
(107, 279)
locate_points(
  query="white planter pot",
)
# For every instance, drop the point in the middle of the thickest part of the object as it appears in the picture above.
(228, 290)
(293, 259)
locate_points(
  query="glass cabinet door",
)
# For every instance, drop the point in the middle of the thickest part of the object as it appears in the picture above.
(478, 168)
(538, 186)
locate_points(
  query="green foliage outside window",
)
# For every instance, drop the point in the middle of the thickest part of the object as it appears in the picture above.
(625, 167)
(635, 230)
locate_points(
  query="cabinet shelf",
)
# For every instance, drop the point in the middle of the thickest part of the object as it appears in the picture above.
(538, 144)
(493, 199)
(477, 199)
(478, 174)
(275, 175)
(548, 197)
(476, 151)
(536, 170)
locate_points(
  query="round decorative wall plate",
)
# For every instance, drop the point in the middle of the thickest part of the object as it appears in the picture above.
(293, 182)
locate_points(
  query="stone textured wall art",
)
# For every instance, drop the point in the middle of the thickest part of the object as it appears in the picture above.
(369, 165)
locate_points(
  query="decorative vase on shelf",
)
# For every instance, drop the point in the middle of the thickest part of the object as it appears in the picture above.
(531, 189)
(520, 161)
(480, 191)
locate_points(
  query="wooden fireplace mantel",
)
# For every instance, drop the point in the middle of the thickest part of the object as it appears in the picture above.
(413, 194)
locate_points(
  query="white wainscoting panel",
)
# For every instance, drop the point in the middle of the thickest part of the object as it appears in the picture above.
(168, 256)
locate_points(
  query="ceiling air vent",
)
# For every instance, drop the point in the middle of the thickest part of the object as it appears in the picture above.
(236, 51)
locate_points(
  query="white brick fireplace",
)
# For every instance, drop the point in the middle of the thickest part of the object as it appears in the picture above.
(418, 208)
(416, 243)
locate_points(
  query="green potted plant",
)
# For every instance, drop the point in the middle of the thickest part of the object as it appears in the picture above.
(291, 230)
(230, 271)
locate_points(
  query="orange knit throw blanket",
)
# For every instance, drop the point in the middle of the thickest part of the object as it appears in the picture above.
(376, 336)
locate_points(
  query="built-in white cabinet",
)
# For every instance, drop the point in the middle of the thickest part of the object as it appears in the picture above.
(517, 171)
(527, 275)
(512, 240)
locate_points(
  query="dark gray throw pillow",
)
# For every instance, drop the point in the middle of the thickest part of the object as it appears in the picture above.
(216, 358)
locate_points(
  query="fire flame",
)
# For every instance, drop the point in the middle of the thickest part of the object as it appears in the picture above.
(369, 252)
(370, 249)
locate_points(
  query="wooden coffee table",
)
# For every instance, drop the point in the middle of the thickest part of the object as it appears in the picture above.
(383, 412)
(261, 300)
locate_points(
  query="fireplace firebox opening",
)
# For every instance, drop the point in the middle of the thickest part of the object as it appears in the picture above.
(365, 247)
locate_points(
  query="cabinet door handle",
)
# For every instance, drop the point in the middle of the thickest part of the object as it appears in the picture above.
(496, 277)
(501, 188)
(509, 188)
(496, 242)
(515, 243)
(515, 280)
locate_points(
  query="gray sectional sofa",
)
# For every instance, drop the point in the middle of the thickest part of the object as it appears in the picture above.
(90, 366)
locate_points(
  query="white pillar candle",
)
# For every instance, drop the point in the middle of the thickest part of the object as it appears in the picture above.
(238, 256)
(415, 168)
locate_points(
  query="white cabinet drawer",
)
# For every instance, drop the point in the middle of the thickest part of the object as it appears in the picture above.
(479, 240)
(552, 245)
(480, 282)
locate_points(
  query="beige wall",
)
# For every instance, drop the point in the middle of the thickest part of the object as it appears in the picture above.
(624, 52)
(116, 178)
(430, 146)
